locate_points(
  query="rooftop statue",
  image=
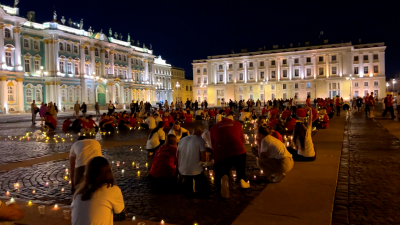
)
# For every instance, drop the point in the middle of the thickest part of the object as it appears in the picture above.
(70, 22)
(63, 20)
(81, 24)
(16, 3)
(120, 36)
(55, 16)
(110, 32)
(116, 35)
(129, 38)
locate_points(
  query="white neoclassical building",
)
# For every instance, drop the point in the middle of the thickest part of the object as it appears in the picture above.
(62, 62)
(321, 71)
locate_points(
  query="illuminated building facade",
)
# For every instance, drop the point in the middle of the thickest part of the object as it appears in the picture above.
(183, 88)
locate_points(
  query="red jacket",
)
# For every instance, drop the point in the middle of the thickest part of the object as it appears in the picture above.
(164, 162)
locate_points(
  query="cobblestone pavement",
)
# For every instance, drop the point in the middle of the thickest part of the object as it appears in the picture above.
(369, 175)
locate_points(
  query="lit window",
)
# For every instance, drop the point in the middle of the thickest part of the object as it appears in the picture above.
(96, 52)
(61, 46)
(8, 58)
(28, 95)
(35, 45)
(26, 43)
(308, 85)
(62, 66)
(27, 66)
(68, 48)
(38, 94)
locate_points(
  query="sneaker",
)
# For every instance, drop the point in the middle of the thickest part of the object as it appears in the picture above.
(225, 186)
(244, 184)
(278, 178)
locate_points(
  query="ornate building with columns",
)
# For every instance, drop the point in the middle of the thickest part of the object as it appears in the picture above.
(321, 71)
(182, 87)
(63, 63)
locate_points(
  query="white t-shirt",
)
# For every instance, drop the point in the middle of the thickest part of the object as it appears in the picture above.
(158, 119)
(274, 148)
(151, 122)
(207, 138)
(308, 150)
(189, 149)
(99, 209)
(178, 136)
(85, 150)
(244, 115)
(154, 141)
(198, 112)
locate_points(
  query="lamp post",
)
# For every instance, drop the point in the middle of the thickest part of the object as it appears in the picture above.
(350, 78)
(393, 82)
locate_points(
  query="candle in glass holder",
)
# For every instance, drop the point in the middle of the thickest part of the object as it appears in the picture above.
(234, 174)
(255, 177)
(65, 177)
(118, 162)
(12, 200)
(147, 165)
(29, 203)
(261, 172)
(33, 191)
(211, 172)
(133, 163)
(47, 184)
(137, 165)
(162, 222)
(55, 206)
(122, 172)
(62, 189)
(287, 144)
(138, 173)
(7, 193)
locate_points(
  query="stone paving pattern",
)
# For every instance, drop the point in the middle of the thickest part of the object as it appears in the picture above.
(369, 176)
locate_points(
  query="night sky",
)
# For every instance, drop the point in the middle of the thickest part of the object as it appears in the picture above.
(182, 31)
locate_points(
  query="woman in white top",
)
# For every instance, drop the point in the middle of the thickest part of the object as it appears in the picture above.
(304, 147)
(244, 115)
(98, 197)
(156, 138)
(274, 158)
(178, 131)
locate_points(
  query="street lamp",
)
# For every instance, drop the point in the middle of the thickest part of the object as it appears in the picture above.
(387, 86)
(393, 82)
(351, 84)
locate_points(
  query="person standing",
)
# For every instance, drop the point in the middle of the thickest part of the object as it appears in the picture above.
(338, 105)
(227, 139)
(166, 106)
(42, 112)
(389, 107)
(34, 110)
(372, 104)
(205, 104)
(80, 154)
(84, 109)
(97, 109)
(55, 111)
(77, 108)
(366, 105)
(398, 106)
(308, 101)
(51, 109)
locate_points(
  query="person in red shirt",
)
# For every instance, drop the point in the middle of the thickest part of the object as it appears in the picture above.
(165, 161)
(389, 107)
(290, 123)
(273, 122)
(276, 135)
(50, 123)
(264, 111)
(171, 120)
(325, 119)
(123, 122)
(93, 123)
(273, 111)
(212, 114)
(300, 112)
(133, 120)
(107, 124)
(165, 120)
(189, 118)
(227, 139)
(285, 113)
(87, 127)
(338, 105)
(308, 101)
(227, 110)
(66, 125)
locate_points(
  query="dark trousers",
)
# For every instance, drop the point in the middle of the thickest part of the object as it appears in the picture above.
(294, 110)
(224, 168)
(338, 110)
(390, 109)
(201, 183)
(367, 110)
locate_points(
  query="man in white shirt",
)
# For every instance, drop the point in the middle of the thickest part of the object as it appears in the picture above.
(150, 122)
(191, 152)
(81, 153)
(157, 117)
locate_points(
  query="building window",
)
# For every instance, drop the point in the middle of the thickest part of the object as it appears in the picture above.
(376, 69)
(68, 48)
(26, 43)
(241, 76)
(272, 87)
(204, 70)
(272, 62)
(355, 70)
(61, 46)
(365, 83)
(273, 74)
(356, 58)
(250, 88)
(137, 76)
(205, 80)
(308, 71)
(76, 69)
(10, 91)
(221, 78)
(124, 58)
(284, 73)
(119, 58)
(98, 71)
(283, 86)
(63, 95)
(240, 65)
(365, 57)
(261, 87)
(251, 76)
(106, 55)
(187, 88)
(78, 95)
(88, 95)
(240, 88)
(230, 77)
(261, 75)
(376, 83)
(38, 94)
(334, 70)
(308, 59)
(296, 72)
(375, 56)
(27, 66)
(75, 49)
(61, 66)
(334, 58)
(137, 63)
(28, 94)
(86, 50)
(7, 33)
(37, 65)
(261, 63)
(320, 59)
(296, 60)
(69, 68)
(308, 85)
(8, 58)
(296, 85)
(87, 69)
(220, 67)
(355, 93)
(365, 69)
(35, 45)
(251, 64)
(355, 84)
(284, 62)
(190, 88)
(198, 70)
(96, 52)
(321, 71)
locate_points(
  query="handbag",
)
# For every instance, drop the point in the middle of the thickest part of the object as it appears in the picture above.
(121, 216)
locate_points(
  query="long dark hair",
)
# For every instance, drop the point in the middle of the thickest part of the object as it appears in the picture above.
(160, 125)
(300, 132)
(97, 173)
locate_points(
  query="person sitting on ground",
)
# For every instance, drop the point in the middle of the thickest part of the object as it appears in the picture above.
(87, 126)
(301, 113)
(107, 124)
(273, 121)
(80, 154)
(10, 213)
(124, 122)
(245, 115)
(157, 116)
(259, 123)
(325, 119)
(230, 116)
(165, 161)
(98, 198)
(253, 114)
(290, 123)
(189, 117)
(219, 116)
(178, 131)
(155, 140)
(150, 122)
(227, 139)
(77, 124)
(50, 123)
(211, 113)
(273, 111)
(191, 153)
(133, 120)
(66, 125)
(274, 158)
(285, 113)
(264, 111)
(304, 147)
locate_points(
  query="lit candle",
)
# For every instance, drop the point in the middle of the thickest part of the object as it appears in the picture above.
(138, 173)
(255, 177)
(287, 143)
(16, 185)
(122, 171)
(12, 200)
(147, 165)
(47, 184)
(248, 182)
(7, 193)
(34, 192)
(162, 222)
(62, 189)
(55, 206)
(133, 163)
(29, 203)
(210, 173)
(118, 163)
(261, 172)
(69, 182)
